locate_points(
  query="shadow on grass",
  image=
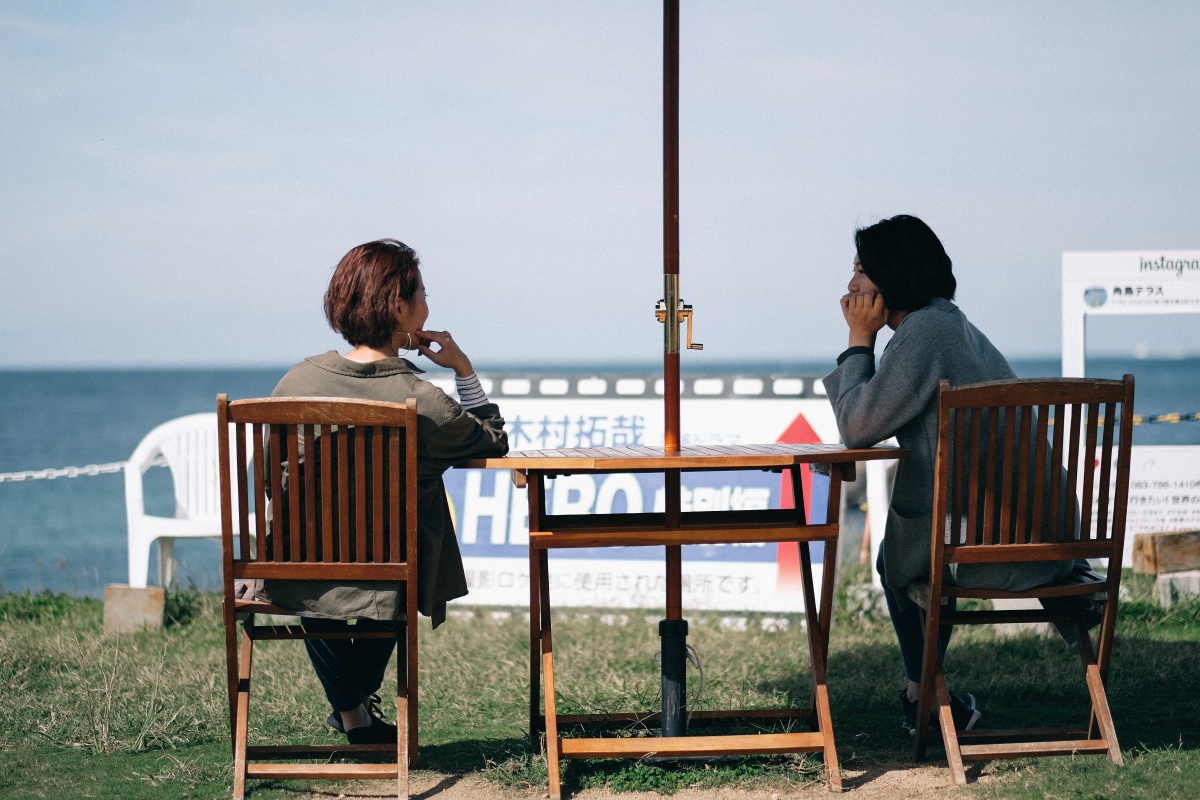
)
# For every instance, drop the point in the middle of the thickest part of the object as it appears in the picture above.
(1027, 680)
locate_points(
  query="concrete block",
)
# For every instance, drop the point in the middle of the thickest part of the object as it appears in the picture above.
(1172, 551)
(1176, 586)
(128, 609)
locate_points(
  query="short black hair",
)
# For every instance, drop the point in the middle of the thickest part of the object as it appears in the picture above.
(904, 258)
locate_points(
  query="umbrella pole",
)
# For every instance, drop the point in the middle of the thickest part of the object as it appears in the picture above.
(671, 223)
(672, 630)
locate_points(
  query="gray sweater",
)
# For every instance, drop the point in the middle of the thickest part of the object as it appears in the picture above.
(899, 398)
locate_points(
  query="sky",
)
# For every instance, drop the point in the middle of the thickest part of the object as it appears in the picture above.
(179, 179)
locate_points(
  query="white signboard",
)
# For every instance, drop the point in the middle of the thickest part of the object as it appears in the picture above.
(1123, 282)
(1164, 489)
(492, 514)
(1164, 486)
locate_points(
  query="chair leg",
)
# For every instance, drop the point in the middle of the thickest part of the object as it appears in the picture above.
(139, 561)
(402, 740)
(406, 732)
(166, 561)
(411, 704)
(241, 732)
(231, 669)
(1101, 721)
(949, 734)
(929, 668)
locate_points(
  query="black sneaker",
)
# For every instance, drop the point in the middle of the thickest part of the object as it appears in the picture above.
(378, 732)
(334, 720)
(962, 708)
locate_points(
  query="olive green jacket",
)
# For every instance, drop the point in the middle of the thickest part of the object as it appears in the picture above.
(447, 435)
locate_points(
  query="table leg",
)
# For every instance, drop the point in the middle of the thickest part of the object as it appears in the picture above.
(537, 505)
(833, 508)
(535, 648)
(818, 647)
(553, 746)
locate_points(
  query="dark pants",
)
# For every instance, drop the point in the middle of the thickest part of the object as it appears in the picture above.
(909, 624)
(351, 670)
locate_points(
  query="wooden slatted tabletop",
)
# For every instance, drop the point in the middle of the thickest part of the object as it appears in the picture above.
(634, 458)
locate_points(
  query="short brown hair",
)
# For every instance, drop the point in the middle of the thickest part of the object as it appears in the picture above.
(365, 291)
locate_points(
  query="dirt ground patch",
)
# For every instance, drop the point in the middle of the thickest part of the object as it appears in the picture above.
(885, 781)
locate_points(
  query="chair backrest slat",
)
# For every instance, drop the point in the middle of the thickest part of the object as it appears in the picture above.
(342, 466)
(1024, 454)
(360, 486)
(325, 445)
(973, 536)
(1069, 508)
(278, 550)
(1036, 530)
(395, 493)
(1105, 471)
(1089, 472)
(291, 435)
(1007, 465)
(312, 526)
(242, 491)
(989, 486)
(260, 492)
(957, 460)
(1056, 467)
(378, 462)
(1019, 484)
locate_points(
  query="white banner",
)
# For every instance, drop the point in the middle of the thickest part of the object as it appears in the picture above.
(492, 514)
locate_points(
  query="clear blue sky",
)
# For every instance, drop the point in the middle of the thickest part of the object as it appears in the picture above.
(180, 178)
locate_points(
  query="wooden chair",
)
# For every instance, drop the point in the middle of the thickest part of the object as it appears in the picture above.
(342, 475)
(1010, 457)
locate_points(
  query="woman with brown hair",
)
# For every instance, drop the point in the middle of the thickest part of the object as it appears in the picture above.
(376, 299)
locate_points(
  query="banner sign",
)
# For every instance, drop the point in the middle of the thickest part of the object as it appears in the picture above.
(491, 514)
(1164, 481)
(1164, 490)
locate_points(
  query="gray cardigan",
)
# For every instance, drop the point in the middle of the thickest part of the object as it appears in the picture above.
(447, 434)
(899, 399)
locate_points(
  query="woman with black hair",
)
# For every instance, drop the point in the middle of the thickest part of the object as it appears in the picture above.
(903, 279)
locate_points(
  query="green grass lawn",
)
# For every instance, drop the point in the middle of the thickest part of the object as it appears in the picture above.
(145, 715)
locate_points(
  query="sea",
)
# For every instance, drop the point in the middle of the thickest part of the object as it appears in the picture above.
(68, 534)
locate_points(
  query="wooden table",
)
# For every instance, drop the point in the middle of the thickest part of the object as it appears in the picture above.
(674, 528)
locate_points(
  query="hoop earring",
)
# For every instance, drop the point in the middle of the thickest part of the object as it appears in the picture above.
(408, 342)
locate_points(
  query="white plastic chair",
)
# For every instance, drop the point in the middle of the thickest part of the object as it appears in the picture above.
(189, 445)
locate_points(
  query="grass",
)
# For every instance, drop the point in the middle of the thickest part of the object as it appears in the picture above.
(145, 715)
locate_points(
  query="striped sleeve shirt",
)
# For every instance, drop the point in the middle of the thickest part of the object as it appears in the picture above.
(470, 391)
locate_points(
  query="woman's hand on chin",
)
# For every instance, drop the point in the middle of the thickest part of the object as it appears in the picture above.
(865, 314)
(448, 354)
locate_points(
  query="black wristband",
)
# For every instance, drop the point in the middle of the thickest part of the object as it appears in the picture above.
(855, 351)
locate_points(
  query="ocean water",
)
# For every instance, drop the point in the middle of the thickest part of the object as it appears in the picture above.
(68, 534)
